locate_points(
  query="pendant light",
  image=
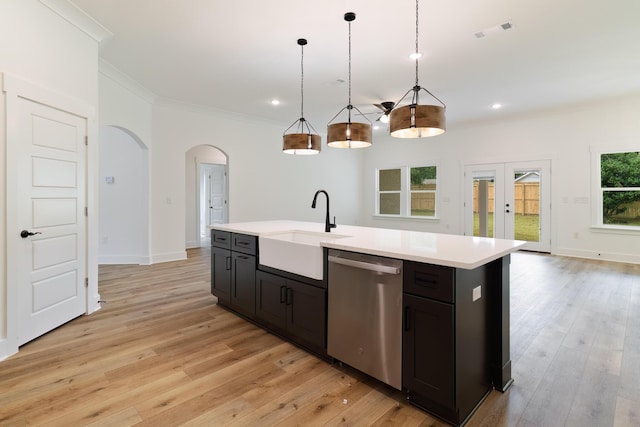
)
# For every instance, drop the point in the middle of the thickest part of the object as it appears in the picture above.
(301, 140)
(349, 134)
(414, 120)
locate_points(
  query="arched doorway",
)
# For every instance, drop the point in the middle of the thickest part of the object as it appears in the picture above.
(124, 198)
(206, 192)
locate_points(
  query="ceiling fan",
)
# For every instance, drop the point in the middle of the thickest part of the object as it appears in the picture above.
(386, 108)
(383, 115)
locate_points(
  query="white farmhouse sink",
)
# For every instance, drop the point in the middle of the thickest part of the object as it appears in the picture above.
(295, 251)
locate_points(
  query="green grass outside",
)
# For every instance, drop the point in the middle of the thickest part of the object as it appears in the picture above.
(527, 227)
(622, 221)
(422, 212)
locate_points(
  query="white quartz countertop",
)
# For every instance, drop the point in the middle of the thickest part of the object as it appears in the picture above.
(432, 248)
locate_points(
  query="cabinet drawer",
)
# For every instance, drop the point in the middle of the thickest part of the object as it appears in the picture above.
(243, 243)
(221, 239)
(429, 281)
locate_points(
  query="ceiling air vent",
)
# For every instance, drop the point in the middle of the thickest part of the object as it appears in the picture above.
(496, 28)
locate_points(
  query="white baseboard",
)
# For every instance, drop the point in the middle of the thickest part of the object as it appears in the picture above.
(5, 350)
(605, 256)
(169, 256)
(193, 244)
(123, 259)
(96, 304)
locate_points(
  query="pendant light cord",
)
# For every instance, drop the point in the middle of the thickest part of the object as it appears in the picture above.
(417, 53)
(349, 106)
(302, 81)
(349, 62)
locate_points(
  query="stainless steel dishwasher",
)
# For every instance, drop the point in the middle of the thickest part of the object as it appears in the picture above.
(365, 314)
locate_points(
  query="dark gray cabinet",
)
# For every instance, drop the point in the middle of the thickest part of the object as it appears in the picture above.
(446, 368)
(233, 270)
(243, 279)
(221, 274)
(292, 308)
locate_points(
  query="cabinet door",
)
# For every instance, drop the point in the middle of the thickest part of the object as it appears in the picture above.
(428, 354)
(243, 283)
(270, 299)
(306, 313)
(221, 274)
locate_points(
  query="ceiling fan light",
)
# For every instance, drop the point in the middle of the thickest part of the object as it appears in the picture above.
(349, 135)
(301, 143)
(417, 121)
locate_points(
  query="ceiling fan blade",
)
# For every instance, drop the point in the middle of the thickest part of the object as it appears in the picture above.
(386, 106)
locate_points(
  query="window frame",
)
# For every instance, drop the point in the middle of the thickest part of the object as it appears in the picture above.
(597, 191)
(406, 192)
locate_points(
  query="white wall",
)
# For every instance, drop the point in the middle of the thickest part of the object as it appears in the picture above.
(124, 210)
(193, 158)
(565, 136)
(40, 46)
(263, 182)
(125, 103)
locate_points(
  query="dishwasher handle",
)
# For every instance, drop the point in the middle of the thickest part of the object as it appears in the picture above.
(365, 265)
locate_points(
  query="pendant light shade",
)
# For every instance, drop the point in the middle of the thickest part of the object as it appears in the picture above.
(301, 137)
(349, 134)
(415, 120)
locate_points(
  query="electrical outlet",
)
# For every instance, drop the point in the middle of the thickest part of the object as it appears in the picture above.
(477, 293)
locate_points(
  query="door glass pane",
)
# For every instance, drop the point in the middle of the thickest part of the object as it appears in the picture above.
(483, 205)
(526, 205)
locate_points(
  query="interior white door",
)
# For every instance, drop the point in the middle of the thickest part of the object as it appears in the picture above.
(218, 194)
(48, 255)
(510, 200)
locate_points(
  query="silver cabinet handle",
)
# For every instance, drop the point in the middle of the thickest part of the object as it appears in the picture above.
(364, 265)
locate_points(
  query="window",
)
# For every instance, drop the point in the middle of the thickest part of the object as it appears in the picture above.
(407, 191)
(619, 189)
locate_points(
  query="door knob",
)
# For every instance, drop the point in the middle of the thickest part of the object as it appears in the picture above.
(25, 233)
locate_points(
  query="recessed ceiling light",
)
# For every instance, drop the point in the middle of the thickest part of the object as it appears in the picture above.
(415, 56)
(275, 102)
(496, 106)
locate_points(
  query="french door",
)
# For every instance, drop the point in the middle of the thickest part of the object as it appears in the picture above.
(509, 201)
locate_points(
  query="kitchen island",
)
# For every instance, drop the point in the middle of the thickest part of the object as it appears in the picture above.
(455, 302)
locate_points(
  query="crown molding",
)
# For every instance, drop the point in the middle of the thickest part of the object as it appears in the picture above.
(78, 18)
(111, 72)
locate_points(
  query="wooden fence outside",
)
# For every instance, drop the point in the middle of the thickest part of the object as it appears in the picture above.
(526, 197)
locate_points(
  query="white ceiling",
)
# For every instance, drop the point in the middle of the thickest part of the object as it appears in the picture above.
(239, 55)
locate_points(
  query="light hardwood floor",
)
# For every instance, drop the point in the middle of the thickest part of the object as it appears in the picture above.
(161, 353)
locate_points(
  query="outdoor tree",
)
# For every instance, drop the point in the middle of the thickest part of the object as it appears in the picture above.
(619, 170)
(418, 175)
